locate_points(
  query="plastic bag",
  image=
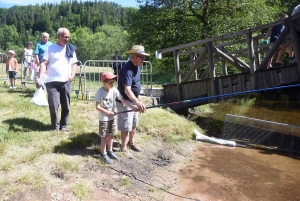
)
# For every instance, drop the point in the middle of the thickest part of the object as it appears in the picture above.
(39, 98)
(42, 80)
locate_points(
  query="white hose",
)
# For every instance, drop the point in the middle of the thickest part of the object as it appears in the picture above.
(213, 140)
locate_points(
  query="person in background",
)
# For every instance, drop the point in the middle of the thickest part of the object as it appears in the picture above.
(274, 33)
(59, 63)
(12, 68)
(28, 57)
(116, 65)
(129, 86)
(292, 58)
(41, 47)
(105, 99)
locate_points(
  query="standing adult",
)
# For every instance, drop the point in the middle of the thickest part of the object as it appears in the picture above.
(60, 60)
(296, 11)
(274, 33)
(129, 86)
(28, 58)
(116, 65)
(41, 47)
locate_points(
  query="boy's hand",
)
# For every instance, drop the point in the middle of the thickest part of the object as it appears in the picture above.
(111, 114)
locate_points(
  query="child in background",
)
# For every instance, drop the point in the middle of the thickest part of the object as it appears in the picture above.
(105, 98)
(32, 67)
(12, 68)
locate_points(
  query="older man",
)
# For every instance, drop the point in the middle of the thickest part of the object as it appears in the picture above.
(60, 60)
(41, 47)
(129, 86)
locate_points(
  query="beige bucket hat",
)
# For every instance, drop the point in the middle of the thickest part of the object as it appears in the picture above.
(137, 49)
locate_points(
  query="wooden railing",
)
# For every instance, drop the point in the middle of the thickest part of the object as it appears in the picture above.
(241, 49)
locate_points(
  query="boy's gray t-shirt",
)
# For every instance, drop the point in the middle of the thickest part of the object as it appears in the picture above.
(107, 101)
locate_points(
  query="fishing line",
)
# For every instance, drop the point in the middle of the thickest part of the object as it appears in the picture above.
(217, 96)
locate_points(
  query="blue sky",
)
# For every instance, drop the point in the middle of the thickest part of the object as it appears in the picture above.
(10, 3)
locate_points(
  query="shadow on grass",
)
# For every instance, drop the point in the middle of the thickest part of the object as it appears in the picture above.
(82, 144)
(26, 125)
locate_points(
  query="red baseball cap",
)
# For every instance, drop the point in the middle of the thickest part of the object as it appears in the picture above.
(108, 76)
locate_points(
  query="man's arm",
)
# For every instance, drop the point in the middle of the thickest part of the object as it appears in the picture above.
(137, 102)
(73, 72)
(37, 59)
(42, 70)
(43, 67)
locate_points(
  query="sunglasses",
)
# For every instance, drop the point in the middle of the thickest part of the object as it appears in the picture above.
(65, 37)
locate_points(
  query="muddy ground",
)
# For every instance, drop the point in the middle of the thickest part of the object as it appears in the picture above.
(189, 171)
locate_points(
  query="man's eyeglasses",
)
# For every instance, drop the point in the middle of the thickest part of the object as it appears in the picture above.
(111, 82)
(65, 37)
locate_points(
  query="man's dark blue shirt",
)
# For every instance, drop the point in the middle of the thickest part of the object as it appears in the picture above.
(129, 75)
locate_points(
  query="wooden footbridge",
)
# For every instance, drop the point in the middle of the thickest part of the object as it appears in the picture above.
(242, 50)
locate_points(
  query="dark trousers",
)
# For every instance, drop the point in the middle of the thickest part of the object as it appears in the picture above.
(59, 94)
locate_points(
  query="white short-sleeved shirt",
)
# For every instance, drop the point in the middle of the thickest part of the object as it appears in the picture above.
(107, 100)
(59, 64)
(28, 52)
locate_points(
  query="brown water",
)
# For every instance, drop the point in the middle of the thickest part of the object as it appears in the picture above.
(222, 173)
(280, 126)
(285, 112)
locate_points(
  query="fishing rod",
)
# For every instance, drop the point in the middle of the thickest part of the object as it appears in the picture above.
(217, 96)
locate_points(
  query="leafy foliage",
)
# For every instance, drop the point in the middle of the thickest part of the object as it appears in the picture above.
(98, 28)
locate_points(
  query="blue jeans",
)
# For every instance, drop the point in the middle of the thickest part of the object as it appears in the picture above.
(59, 93)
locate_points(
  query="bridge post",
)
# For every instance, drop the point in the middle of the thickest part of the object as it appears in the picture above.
(224, 64)
(256, 53)
(212, 70)
(251, 60)
(295, 40)
(193, 57)
(177, 73)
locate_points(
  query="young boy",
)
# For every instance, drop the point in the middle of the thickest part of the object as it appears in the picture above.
(105, 103)
(12, 68)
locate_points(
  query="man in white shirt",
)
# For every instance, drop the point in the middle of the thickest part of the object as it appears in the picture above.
(61, 70)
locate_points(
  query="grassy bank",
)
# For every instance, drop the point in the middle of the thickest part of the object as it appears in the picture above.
(33, 157)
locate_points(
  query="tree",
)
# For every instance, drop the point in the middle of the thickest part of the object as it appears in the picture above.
(160, 24)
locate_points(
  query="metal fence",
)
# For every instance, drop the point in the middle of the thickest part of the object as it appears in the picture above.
(3, 75)
(91, 71)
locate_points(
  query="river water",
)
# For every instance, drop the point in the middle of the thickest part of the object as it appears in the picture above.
(282, 118)
(252, 173)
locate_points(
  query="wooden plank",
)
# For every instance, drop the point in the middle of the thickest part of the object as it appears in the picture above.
(272, 83)
(297, 74)
(220, 86)
(284, 76)
(251, 58)
(230, 35)
(241, 88)
(276, 78)
(195, 65)
(212, 70)
(230, 84)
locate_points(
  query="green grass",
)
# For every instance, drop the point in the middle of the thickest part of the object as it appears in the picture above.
(30, 151)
